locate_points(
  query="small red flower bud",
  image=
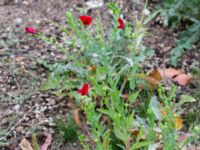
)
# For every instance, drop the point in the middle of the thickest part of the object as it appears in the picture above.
(121, 24)
(84, 90)
(31, 30)
(86, 20)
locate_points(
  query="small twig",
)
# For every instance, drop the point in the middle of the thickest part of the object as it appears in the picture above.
(128, 144)
(89, 135)
(14, 76)
(165, 80)
(13, 127)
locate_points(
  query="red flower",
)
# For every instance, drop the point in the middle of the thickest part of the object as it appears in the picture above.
(86, 20)
(84, 90)
(31, 30)
(121, 24)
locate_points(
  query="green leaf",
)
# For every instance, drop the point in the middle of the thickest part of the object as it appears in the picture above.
(140, 145)
(99, 89)
(3, 144)
(185, 42)
(120, 134)
(34, 142)
(101, 73)
(149, 52)
(154, 105)
(186, 99)
(68, 130)
(52, 83)
(133, 97)
(114, 8)
(153, 15)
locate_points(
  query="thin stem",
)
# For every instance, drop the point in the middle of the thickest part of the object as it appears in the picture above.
(128, 144)
(123, 85)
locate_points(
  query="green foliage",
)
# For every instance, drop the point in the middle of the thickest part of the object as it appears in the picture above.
(186, 40)
(196, 73)
(192, 117)
(115, 106)
(119, 49)
(68, 130)
(34, 142)
(176, 12)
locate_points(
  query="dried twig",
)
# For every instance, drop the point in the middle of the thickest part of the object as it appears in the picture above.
(13, 127)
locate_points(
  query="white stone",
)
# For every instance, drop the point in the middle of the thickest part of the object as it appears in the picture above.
(146, 12)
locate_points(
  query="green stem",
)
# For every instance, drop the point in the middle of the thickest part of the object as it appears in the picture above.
(123, 85)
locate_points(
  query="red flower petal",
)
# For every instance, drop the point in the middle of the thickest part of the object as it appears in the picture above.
(86, 20)
(121, 24)
(84, 90)
(31, 30)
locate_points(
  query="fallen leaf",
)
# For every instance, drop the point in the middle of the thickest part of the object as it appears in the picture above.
(152, 79)
(71, 104)
(34, 141)
(183, 79)
(19, 58)
(77, 117)
(178, 119)
(134, 132)
(155, 74)
(25, 145)
(153, 83)
(163, 113)
(169, 72)
(172, 74)
(179, 122)
(183, 137)
(92, 68)
(47, 142)
(175, 75)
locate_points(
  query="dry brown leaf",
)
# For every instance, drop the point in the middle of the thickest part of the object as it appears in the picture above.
(160, 147)
(175, 75)
(77, 117)
(179, 122)
(134, 132)
(153, 83)
(92, 68)
(183, 79)
(19, 58)
(169, 72)
(71, 104)
(163, 112)
(25, 145)
(47, 142)
(178, 119)
(183, 137)
(155, 74)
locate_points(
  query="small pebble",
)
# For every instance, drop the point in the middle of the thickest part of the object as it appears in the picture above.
(43, 108)
(19, 129)
(28, 134)
(18, 21)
